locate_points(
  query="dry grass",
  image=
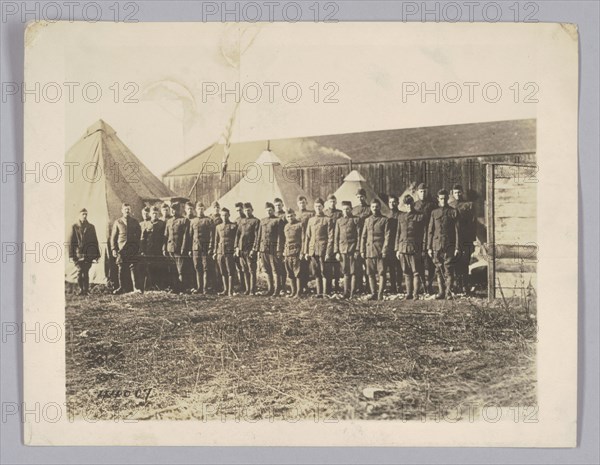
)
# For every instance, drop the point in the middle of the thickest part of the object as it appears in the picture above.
(252, 358)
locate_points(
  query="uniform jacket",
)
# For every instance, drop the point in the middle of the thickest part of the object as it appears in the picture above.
(393, 218)
(246, 233)
(467, 219)
(199, 235)
(409, 237)
(125, 237)
(346, 238)
(425, 207)
(319, 236)
(152, 238)
(376, 241)
(293, 239)
(175, 231)
(335, 214)
(444, 230)
(225, 238)
(270, 238)
(83, 242)
(216, 217)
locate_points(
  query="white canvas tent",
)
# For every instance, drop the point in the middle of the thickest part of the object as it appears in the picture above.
(264, 181)
(352, 183)
(106, 174)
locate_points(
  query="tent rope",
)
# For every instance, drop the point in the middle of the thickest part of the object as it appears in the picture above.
(202, 170)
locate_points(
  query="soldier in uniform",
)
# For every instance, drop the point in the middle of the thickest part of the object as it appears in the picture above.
(409, 245)
(125, 241)
(244, 244)
(198, 241)
(146, 214)
(280, 213)
(279, 208)
(304, 215)
(151, 246)
(425, 205)
(239, 272)
(292, 250)
(392, 264)
(375, 246)
(443, 243)
(224, 248)
(269, 243)
(166, 212)
(175, 231)
(318, 244)
(189, 276)
(83, 250)
(215, 273)
(361, 211)
(345, 246)
(333, 265)
(167, 270)
(468, 228)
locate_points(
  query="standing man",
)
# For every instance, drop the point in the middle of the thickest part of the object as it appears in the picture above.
(224, 248)
(425, 205)
(280, 213)
(292, 250)
(125, 240)
(345, 246)
(189, 277)
(166, 271)
(443, 246)
(468, 228)
(166, 212)
(409, 245)
(83, 250)
(392, 264)
(198, 241)
(279, 208)
(175, 231)
(333, 265)
(239, 272)
(146, 214)
(269, 244)
(361, 211)
(151, 246)
(215, 274)
(318, 244)
(375, 246)
(244, 243)
(304, 214)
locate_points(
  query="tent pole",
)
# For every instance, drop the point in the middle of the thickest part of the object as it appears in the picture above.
(201, 171)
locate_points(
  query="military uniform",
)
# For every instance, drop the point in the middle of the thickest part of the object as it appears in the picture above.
(335, 267)
(375, 245)
(125, 240)
(224, 247)
(318, 245)
(175, 231)
(346, 243)
(198, 240)
(362, 212)
(304, 216)
(425, 207)
(83, 250)
(151, 247)
(442, 237)
(244, 242)
(291, 252)
(468, 227)
(269, 244)
(409, 244)
(392, 264)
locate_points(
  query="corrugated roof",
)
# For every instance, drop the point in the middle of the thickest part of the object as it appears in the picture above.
(457, 140)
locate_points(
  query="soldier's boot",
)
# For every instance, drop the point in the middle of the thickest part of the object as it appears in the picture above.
(225, 282)
(336, 286)
(298, 288)
(373, 287)
(200, 282)
(278, 288)
(319, 294)
(230, 286)
(80, 284)
(86, 284)
(347, 286)
(294, 285)
(253, 283)
(245, 277)
(416, 280)
(243, 287)
(466, 283)
(449, 284)
(441, 292)
(270, 286)
(381, 287)
(327, 286)
(352, 286)
(393, 287)
(408, 282)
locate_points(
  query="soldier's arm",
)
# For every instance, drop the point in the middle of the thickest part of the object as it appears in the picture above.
(257, 238)
(94, 243)
(166, 237)
(458, 232)
(281, 237)
(430, 231)
(307, 238)
(397, 238)
(363, 239)
(336, 239)
(114, 237)
(72, 243)
(387, 237)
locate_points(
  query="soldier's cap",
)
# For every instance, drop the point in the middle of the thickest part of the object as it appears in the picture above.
(361, 192)
(155, 209)
(175, 205)
(200, 204)
(146, 209)
(346, 203)
(457, 187)
(164, 205)
(443, 192)
(269, 205)
(375, 201)
(300, 197)
(290, 211)
(408, 200)
(239, 205)
(422, 186)
(319, 200)
(224, 210)
(83, 210)
(331, 197)
(247, 205)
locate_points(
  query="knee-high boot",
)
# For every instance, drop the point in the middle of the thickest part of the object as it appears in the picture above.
(319, 287)
(347, 286)
(408, 282)
(381, 287)
(442, 289)
(230, 285)
(449, 284)
(373, 287)
(352, 286)
(416, 280)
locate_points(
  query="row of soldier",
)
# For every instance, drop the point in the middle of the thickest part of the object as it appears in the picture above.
(203, 253)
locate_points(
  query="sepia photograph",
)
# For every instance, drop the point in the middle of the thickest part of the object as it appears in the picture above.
(306, 225)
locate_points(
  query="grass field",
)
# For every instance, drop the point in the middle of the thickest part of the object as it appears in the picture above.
(165, 356)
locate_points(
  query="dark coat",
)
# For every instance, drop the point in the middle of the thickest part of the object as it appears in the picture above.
(347, 235)
(125, 237)
(375, 238)
(83, 242)
(467, 219)
(409, 237)
(175, 231)
(225, 238)
(444, 230)
(247, 233)
(153, 237)
(318, 240)
(270, 238)
(293, 239)
(199, 235)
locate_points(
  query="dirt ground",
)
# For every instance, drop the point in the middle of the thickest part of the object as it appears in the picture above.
(166, 356)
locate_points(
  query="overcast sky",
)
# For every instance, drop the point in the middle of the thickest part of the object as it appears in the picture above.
(172, 68)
